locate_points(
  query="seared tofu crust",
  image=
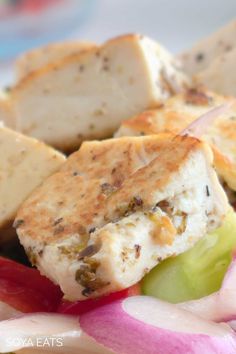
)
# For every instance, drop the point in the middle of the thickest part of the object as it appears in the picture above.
(86, 96)
(50, 54)
(179, 111)
(117, 208)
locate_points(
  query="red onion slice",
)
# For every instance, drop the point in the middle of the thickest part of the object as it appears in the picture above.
(199, 126)
(143, 324)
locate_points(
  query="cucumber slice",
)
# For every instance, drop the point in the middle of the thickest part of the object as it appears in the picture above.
(197, 272)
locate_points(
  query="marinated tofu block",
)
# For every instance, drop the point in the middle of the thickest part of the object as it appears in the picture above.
(178, 112)
(24, 164)
(87, 95)
(203, 53)
(117, 208)
(39, 57)
(220, 75)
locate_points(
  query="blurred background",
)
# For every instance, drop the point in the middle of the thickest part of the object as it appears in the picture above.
(177, 24)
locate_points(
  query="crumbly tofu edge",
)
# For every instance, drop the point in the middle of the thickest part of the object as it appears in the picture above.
(113, 245)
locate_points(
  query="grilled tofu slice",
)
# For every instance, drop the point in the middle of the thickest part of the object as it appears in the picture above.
(181, 110)
(117, 208)
(220, 75)
(203, 53)
(24, 164)
(87, 95)
(39, 57)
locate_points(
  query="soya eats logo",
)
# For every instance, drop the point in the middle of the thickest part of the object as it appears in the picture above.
(39, 342)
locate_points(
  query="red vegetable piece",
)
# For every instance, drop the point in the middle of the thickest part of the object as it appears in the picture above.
(26, 289)
(80, 307)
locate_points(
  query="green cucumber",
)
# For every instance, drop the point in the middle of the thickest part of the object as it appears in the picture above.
(197, 272)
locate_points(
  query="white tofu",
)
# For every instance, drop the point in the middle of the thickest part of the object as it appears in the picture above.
(220, 75)
(203, 53)
(39, 57)
(24, 164)
(119, 207)
(87, 95)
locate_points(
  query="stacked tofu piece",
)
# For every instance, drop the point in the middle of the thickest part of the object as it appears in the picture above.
(86, 95)
(211, 61)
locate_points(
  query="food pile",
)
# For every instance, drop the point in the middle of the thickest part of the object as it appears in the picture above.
(117, 197)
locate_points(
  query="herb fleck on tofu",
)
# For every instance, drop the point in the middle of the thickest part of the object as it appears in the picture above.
(199, 57)
(59, 229)
(135, 204)
(17, 223)
(107, 189)
(207, 191)
(183, 225)
(89, 251)
(73, 250)
(57, 221)
(86, 276)
(137, 251)
(197, 98)
(92, 230)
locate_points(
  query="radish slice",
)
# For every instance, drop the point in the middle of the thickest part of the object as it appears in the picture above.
(199, 126)
(7, 311)
(232, 325)
(49, 332)
(206, 307)
(219, 306)
(143, 324)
